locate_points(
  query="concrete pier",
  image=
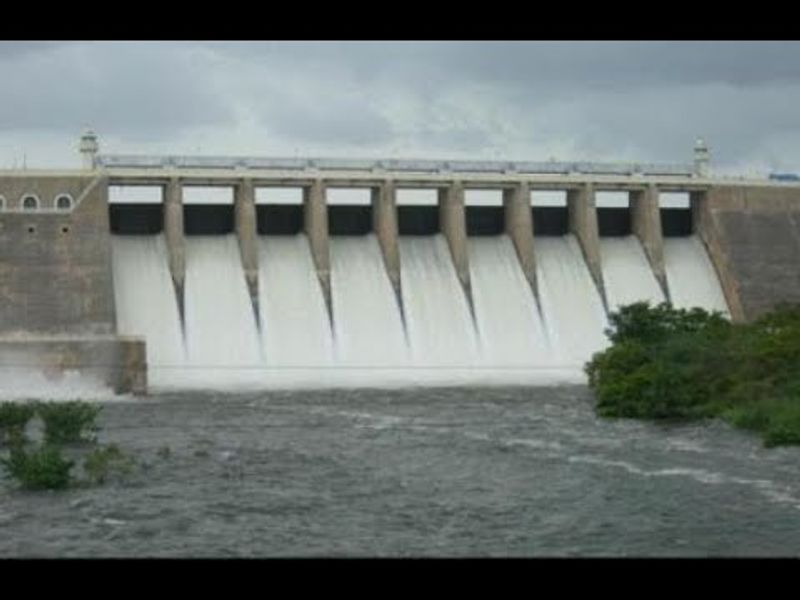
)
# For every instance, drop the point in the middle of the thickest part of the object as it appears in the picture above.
(646, 225)
(583, 224)
(453, 222)
(384, 223)
(315, 225)
(519, 227)
(174, 237)
(246, 232)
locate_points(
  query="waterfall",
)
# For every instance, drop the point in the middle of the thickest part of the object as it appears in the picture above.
(572, 306)
(440, 327)
(367, 322)
(221, 335)
(511, 331)
(627, 274)
(146, 304)
(691, 277)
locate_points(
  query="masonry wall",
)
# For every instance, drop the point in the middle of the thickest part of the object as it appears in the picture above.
(753, 236)
(55, 267)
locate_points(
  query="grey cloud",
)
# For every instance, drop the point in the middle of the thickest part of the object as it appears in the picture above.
(605, 64)
(595, 100)
(139, 90)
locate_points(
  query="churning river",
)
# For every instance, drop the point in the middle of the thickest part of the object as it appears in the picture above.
(417, 472)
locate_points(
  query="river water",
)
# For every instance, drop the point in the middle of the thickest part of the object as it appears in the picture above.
(415, 472)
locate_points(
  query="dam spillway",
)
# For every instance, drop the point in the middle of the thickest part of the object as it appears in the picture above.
(433, 336)
(248, 293)
(429, 327)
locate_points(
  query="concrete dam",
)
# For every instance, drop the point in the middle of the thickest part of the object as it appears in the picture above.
(158, 273)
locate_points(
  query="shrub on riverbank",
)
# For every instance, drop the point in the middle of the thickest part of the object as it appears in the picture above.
(41, 465)
(69, 422)
(14, 418)
(667, 363)
(43, 468)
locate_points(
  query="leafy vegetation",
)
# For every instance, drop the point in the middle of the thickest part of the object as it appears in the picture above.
(14, 417)
(667, 363)
(42, 466)
(69, 422)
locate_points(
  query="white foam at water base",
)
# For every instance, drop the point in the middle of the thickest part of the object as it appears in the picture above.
(22, 384)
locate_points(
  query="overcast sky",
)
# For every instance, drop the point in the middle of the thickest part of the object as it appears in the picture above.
(512, 100)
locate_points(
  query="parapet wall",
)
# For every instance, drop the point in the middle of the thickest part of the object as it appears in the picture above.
(753, 236)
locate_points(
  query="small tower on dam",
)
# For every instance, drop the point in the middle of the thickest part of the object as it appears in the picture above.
(702, 158)
(88, 148)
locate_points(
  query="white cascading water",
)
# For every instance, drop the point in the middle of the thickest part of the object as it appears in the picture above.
(441, 332)
(627, 274)
(511, 331)
(691, 277)
(295, 329)
(571, 305)
(368, 328)
(146, 304)
(222, 340)
(224, 349)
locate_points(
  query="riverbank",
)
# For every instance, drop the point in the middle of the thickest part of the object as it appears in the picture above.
(669, 364)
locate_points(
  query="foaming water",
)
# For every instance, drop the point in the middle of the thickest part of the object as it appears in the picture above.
(146, 304)
(221, 335)
(627, 275)
(511, 331)
(21, 384)
(367, 323)
(691, 277)
(572, 307)
(441, 332)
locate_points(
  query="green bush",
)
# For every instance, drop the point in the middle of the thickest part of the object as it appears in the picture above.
(14, 418)
(667, 363)
(41, 466)
(69, 422)
(42, 469)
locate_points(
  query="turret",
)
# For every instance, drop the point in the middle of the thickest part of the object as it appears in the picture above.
(702, 158)
(88, 148)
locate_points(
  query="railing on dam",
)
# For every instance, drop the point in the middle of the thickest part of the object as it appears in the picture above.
(402, 165)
